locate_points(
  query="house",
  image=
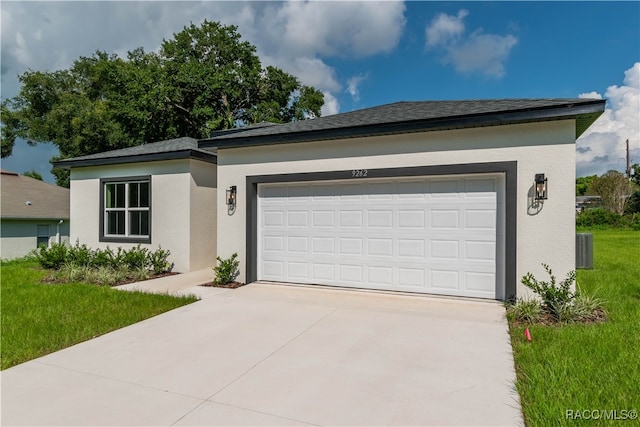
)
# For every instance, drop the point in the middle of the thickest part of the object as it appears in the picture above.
(456, 198)
(33, 213)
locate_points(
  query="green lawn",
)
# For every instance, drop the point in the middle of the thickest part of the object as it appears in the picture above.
(588, 367)
(38, 319)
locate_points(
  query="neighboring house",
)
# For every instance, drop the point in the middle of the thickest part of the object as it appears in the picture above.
(432, 197)
(587, 202)
(33, 213)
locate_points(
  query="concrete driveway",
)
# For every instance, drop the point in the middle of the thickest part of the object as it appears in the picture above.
(281, 355)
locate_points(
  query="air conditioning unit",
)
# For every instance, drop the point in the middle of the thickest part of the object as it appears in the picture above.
(584, 250)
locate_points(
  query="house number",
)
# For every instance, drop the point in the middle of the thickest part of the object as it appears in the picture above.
(359, 173)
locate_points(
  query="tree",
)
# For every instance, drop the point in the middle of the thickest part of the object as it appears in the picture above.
(33, 174)
(582, 184)
(635, 173)
(614, 190)
(203, 79)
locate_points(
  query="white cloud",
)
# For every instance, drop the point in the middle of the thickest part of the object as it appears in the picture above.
(331, 105)
(478, 52)
(335, 28)
(485, 53)
(590, 95)
(602, 147)
(295, 36)
(445, 28)
(352, 85)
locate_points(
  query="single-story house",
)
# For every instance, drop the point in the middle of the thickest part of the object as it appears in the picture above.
(32, 213)
(456, 198)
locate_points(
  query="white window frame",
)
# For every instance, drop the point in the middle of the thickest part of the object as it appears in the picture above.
(104, 210)
(39, 235)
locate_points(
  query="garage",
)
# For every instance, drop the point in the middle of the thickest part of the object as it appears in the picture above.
(426, 234)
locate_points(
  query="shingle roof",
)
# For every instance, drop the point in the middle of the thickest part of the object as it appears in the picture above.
(396, 118)
(177, 148)
(419, 116)
(27, 198)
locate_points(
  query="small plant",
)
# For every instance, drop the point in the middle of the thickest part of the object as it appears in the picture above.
(158, 260)
(139, 274)
(53, 257)
(554, 296)
(136, 257)
(526, 311)
(104, 258)
(226, 270)
(79, 254)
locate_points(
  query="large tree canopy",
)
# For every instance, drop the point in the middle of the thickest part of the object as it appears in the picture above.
(204, 79)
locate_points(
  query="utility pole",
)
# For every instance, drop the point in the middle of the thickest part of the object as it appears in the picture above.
(628, 162)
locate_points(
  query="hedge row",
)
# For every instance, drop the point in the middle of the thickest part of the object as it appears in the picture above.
(136, 258)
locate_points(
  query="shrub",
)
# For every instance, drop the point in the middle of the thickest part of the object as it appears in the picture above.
(104, 258)
(554, 296)
(70, 272)
(104, 276)
(53, 257)
(136, 257)
(527, 311)
(79, 254)
(598, 217)
(226, 270)
(158, 260)
(139, 274)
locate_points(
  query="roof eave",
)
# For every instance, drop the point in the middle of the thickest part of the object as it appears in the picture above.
(585, 114)
(140, 158)
(36, 218)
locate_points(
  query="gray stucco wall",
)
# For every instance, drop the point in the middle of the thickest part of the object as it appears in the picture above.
(19, 236)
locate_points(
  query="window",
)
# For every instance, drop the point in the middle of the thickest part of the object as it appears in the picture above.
(42, 236)
(126, 210)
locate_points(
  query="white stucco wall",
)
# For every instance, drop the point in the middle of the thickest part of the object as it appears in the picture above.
(548, 147)
(18, 237)
(175, 184)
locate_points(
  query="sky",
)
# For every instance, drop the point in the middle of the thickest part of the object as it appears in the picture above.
(369, 53)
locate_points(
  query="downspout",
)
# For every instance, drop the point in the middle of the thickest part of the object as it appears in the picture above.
(58, 231)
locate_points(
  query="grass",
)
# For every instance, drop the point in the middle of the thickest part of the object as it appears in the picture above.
(38, 319)
(587, 367)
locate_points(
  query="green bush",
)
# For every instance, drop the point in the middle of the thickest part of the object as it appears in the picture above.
(158, 260)
(53, 257)
(226, 270)
(598, 217)
(79, 263)
(136, 257)
(79, 254)
(554, 296)
(527, 311)
(104, 258)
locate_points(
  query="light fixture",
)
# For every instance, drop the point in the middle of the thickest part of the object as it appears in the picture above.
(231, 196)
(541, 187)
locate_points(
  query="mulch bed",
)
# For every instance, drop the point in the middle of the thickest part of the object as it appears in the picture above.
(51, 280)
(230, 285)
(597, 316)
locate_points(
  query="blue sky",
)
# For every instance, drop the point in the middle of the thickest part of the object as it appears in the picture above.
(362, 54)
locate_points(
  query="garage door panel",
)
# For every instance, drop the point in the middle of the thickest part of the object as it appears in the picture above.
(444, 219)
(323, 271)
(431, 235)
(410, 248)
(479, 251)
(445, 249)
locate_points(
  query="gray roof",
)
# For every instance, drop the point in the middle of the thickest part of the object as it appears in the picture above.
(419, 116)
(396, 118)
(178, 148)
(27, 198)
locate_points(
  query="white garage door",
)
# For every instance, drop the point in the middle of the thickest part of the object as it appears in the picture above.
(430, 235)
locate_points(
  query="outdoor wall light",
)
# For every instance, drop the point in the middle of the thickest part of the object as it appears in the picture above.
(541, 187)
(231, 196)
